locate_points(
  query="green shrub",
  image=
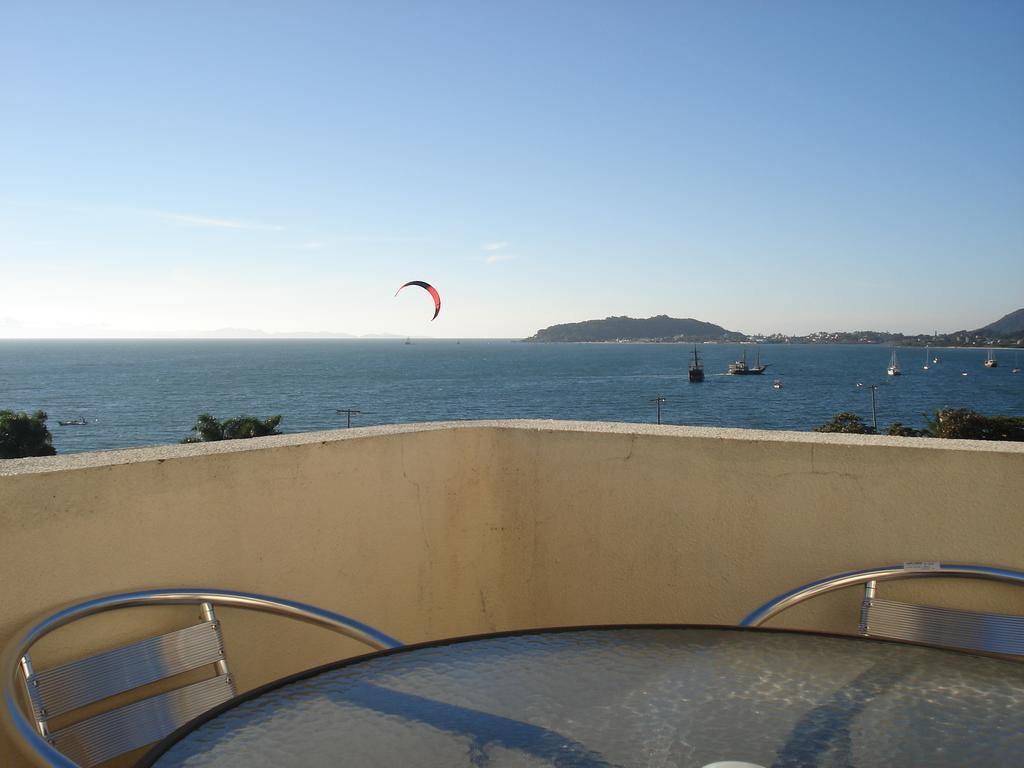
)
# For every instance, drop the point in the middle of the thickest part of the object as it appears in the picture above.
(208, 429)
(901, 430)
(965, 424)
(23, 435)
(849, 423)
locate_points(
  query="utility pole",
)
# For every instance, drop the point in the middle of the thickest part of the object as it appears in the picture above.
(874, 411)
(348, 414)
(659, 400)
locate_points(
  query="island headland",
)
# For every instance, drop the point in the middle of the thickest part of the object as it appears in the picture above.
(1006, 331)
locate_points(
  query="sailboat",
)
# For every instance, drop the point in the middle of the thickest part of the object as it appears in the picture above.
(990, 361)
(925, 366)
(740, 367)
(696, 367)
(1016, 363)
(894, 365)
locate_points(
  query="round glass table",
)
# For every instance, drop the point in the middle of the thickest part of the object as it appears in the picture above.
(624, 696)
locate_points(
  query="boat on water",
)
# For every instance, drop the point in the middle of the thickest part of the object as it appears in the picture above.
(990, 361)
(1016, 363)
(925, 366)
(741, 368)
(777, 384)
(936, 360)
(408, 341)
(79, 422)
(894, 365)
(696, 367)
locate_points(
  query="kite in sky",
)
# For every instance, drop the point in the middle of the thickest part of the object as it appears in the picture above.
(429, 289)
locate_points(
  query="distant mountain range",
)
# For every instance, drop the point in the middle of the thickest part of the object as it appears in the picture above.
(659, 328)
(254, 333)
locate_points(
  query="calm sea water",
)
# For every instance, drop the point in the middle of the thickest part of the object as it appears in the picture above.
(149, 392)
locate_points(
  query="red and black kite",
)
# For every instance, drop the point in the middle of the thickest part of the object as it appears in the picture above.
(429, 289)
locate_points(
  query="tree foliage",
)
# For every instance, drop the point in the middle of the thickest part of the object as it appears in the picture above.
(958, 423)
(209, 429)
(848, 423)
(24, 435)
(965, 424)
(899, 429)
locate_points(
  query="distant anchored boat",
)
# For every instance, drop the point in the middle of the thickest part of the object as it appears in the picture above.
(740, 367)
(894, 365)
(777, 384)
(696, 367)
(990, 361)
(79, 422)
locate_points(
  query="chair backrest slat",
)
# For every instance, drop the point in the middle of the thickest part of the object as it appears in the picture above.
(98, 739)
(968, 630)
(62, 689)
(62, 692)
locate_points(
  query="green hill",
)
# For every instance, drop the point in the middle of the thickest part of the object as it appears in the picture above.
(1011, 325)
(659, 328)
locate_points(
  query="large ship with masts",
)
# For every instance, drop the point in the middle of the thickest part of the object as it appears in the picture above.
(696, 367)
(741, 368)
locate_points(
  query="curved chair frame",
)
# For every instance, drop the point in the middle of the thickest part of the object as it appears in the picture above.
(869, 576)
(42, 752)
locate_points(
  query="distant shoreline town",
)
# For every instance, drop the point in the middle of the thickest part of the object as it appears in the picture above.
(1007, 331)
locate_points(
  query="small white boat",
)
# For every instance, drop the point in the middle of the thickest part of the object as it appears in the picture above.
(925, 366)
(894, 365)
(777, 384)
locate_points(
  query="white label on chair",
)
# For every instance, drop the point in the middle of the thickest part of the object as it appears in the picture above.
(922, 566)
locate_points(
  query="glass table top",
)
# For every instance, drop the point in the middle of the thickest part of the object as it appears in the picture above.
(665, 696)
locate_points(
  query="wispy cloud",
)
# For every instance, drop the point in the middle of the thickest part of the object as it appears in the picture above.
(193, 220)
(497, 251)
(176, 217)
(494, 258)
(383, 239)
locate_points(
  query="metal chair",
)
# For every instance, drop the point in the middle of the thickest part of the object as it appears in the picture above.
(95, 739)
(966, 630)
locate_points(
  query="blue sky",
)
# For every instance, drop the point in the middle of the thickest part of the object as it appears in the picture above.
(187, 166)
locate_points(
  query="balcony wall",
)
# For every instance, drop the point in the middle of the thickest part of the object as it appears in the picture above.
(435, 530)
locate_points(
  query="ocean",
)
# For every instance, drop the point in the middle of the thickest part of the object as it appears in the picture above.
(136, 393)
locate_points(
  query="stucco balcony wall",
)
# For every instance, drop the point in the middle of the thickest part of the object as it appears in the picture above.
(436, 530)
